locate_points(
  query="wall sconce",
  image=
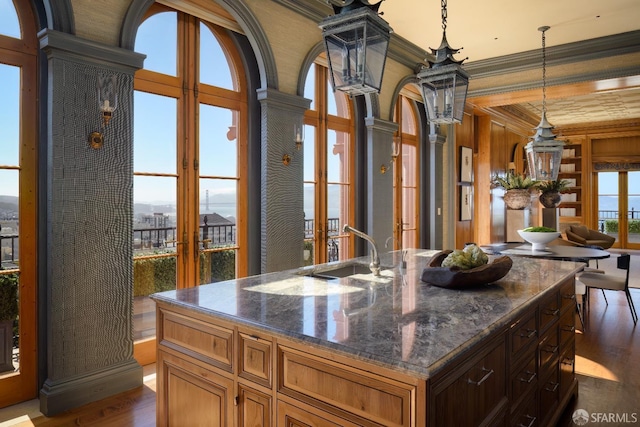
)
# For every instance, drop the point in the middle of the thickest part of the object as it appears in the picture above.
(298, 134)
(107, 103)
(298, 139)
(356, 40)
(395, 152)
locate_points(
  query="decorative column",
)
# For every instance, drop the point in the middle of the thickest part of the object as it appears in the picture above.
(282, 166)
(379, 203)
(432, 217)
(86, 269)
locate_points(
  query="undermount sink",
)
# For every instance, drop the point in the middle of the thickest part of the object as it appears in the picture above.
(341, 271)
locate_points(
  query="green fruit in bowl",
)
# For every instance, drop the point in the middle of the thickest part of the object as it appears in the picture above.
(540, 230)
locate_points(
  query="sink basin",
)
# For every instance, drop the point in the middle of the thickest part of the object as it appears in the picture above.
(341, 271)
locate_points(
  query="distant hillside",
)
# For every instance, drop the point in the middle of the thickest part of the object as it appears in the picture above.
(8, 203)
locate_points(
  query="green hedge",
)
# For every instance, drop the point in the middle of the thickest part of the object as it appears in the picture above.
(611, 226)
(217, 266)
(8, 296)
(153, 275)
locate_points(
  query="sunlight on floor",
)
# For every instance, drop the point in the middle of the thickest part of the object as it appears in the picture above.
(589, 368)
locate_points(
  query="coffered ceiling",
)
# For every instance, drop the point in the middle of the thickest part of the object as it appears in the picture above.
(600, 83)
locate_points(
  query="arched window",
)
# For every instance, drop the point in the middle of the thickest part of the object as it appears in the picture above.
(328, 169)
(406, 176)
(190, 134)
(18, 197)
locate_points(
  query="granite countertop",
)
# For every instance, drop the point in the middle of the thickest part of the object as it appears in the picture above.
(394, 320)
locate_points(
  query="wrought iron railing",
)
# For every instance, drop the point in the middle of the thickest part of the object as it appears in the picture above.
(604, 215)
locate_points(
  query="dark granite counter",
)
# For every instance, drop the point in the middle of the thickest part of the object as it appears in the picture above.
(394, 320)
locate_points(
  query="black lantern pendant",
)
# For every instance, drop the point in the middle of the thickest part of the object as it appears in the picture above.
(356, 41)
(444, 85)
(544, 151)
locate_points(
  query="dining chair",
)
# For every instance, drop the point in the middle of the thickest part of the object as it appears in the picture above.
(611, 282)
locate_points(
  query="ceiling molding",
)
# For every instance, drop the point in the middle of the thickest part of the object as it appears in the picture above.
(598, 48)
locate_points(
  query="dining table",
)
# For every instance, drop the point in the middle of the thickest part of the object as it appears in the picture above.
(552, 251)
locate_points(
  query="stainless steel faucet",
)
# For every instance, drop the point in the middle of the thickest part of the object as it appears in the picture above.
(374, 266)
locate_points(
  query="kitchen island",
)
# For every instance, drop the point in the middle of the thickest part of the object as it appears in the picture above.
(300, 348)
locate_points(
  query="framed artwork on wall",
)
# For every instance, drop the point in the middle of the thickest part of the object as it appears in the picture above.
(466, 203)
(466, 165)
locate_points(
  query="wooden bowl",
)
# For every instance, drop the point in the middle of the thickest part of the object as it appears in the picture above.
(456, 278)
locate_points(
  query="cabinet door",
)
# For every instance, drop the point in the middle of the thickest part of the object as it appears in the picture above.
(254, 407)
(476, 393)
(191, 395)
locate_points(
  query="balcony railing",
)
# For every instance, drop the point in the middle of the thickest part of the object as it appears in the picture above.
(166, 238)
(9, 250)
(605, 215)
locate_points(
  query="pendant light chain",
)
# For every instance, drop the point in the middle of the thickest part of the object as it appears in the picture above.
(544, 71)
(443, 4)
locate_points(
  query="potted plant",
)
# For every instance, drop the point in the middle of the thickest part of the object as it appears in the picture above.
(8, 315)
(550, 192)
(517, 189)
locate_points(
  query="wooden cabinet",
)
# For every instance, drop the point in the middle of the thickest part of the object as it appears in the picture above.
(212, 371)
(474, 393)
(543, 376)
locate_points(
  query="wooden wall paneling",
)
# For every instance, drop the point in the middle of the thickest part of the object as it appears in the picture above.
(464, 137)
(482, 184)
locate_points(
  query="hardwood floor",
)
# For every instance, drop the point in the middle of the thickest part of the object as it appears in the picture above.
(607, 360)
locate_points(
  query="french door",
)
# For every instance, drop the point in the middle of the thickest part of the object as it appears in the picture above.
(328, 170)
(618, 207)
(18, 208)
(189, 151)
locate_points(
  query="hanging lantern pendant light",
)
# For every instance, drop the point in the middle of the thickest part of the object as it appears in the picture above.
(544, 151)
(356, 42)
(444, 84)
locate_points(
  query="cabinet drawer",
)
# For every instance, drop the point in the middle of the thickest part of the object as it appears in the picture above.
(526, 415)
(523, 333)
(549, 395)
(198, 339)
(567, 327)
(567, 369)
(549, 312)
(568, 295)
(334, 386)
(524, 379)
(549, 350)
(255, 358)
(475, 393)
(292, 416)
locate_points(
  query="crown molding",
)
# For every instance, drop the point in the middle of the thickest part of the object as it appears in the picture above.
(585, 50)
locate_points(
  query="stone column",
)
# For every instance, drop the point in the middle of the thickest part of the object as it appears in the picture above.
(432, 218)
(379, 203)
(87, 270)
(282, 209)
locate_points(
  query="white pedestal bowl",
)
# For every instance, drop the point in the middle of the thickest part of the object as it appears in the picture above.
(539, 239)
